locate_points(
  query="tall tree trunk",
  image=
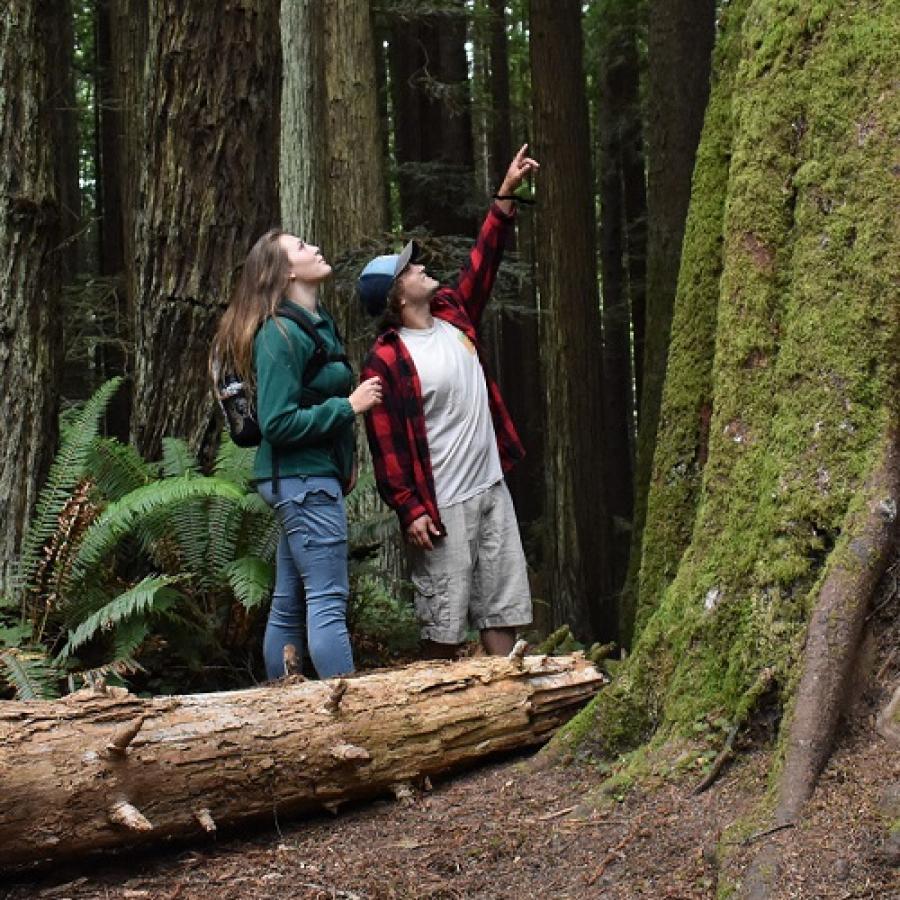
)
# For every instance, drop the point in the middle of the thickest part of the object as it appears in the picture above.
(31, 233)
(433, 121)
(118, 52)
(519, 375)
(618, 115)
(775, 488)
(681, 35)
(333, 171)
(576, 547)
(207, 191)
(64, 134)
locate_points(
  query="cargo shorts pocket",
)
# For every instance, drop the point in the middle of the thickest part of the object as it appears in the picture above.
(431, 600)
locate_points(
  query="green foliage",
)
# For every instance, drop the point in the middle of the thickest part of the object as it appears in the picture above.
(77, 441)
(29, 672)
(128, 559)
(251, 579)
(381, 621)
(150, 595)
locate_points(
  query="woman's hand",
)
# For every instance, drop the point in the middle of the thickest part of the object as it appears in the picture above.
(367, 395)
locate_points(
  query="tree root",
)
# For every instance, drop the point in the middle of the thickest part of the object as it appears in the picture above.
(834, 634)
(832, 644)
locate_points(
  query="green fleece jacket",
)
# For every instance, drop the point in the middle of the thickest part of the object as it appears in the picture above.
(317, 437)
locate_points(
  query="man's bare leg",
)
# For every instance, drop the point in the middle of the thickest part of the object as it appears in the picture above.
(434, 650)
(498, 641)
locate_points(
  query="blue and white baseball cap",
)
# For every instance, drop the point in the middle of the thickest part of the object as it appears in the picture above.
(378, 277)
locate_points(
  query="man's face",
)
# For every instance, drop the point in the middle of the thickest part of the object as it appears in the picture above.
(416, 285)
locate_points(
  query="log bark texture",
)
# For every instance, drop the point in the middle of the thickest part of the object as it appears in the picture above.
(94, 772)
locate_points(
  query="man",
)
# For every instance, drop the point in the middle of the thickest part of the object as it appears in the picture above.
(442, 439)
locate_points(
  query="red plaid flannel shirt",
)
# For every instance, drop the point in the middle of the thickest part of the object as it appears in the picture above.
(396, 427)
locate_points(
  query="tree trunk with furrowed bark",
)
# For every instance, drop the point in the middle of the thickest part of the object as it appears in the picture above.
(95, 772)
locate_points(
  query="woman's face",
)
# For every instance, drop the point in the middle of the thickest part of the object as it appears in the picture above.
(305, 263)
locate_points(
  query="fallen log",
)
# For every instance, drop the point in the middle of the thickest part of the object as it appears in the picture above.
(102, 770)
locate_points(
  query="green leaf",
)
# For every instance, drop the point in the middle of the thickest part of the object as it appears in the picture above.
(30, 672)
(124, 517)
(117, 468)
(15, 635)
(251, 579)
(177, 458)
(234, 463)
(68, 469)
(150, 594)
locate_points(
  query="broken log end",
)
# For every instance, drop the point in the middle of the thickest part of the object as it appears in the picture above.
(128, 816)
(204, 817)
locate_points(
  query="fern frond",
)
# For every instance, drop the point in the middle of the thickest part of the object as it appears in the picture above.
(177, 458)
(234, 463)
(118, 468)
(260, 531)
(224, 518)
(119, 668)
(149, 593)
(251, 580)
(67, 470)
(130, 634)
(124, 516)
(30, 672)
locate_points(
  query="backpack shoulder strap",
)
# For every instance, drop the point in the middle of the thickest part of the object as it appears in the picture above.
(320, 356)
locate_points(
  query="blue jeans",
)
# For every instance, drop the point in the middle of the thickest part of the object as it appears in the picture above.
(311, 583)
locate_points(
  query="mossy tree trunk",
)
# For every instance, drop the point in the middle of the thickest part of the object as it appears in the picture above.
(575, 542)
(31, 265)
(210, 103)
(773, 499)
(680, 39)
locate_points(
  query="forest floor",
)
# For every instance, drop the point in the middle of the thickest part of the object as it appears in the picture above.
(508, 829)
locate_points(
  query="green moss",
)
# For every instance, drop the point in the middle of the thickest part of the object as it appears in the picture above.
(784, 325)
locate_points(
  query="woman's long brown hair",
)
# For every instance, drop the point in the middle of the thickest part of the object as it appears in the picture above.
(260, 288)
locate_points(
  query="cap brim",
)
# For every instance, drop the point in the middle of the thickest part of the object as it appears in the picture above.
(407, 255)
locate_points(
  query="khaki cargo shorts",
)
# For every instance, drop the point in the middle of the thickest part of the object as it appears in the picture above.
(476, 576)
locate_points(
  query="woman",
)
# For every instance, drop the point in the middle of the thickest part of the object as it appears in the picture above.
(307, 445)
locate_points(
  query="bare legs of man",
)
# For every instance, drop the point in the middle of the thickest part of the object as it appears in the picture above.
(496, 642)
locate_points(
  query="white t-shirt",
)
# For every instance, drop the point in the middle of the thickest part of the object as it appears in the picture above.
(461, 442)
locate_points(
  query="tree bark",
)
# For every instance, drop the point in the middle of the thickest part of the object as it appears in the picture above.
(575, 550)
(681, 35)
(93, 772)
(31, 230)
(208, 189)
(433, 121)
(773, 485)
(619, 126)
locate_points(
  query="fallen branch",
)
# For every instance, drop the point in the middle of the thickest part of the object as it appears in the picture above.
(98, 770)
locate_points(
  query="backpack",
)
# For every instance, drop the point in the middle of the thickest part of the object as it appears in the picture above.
(236, 401)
